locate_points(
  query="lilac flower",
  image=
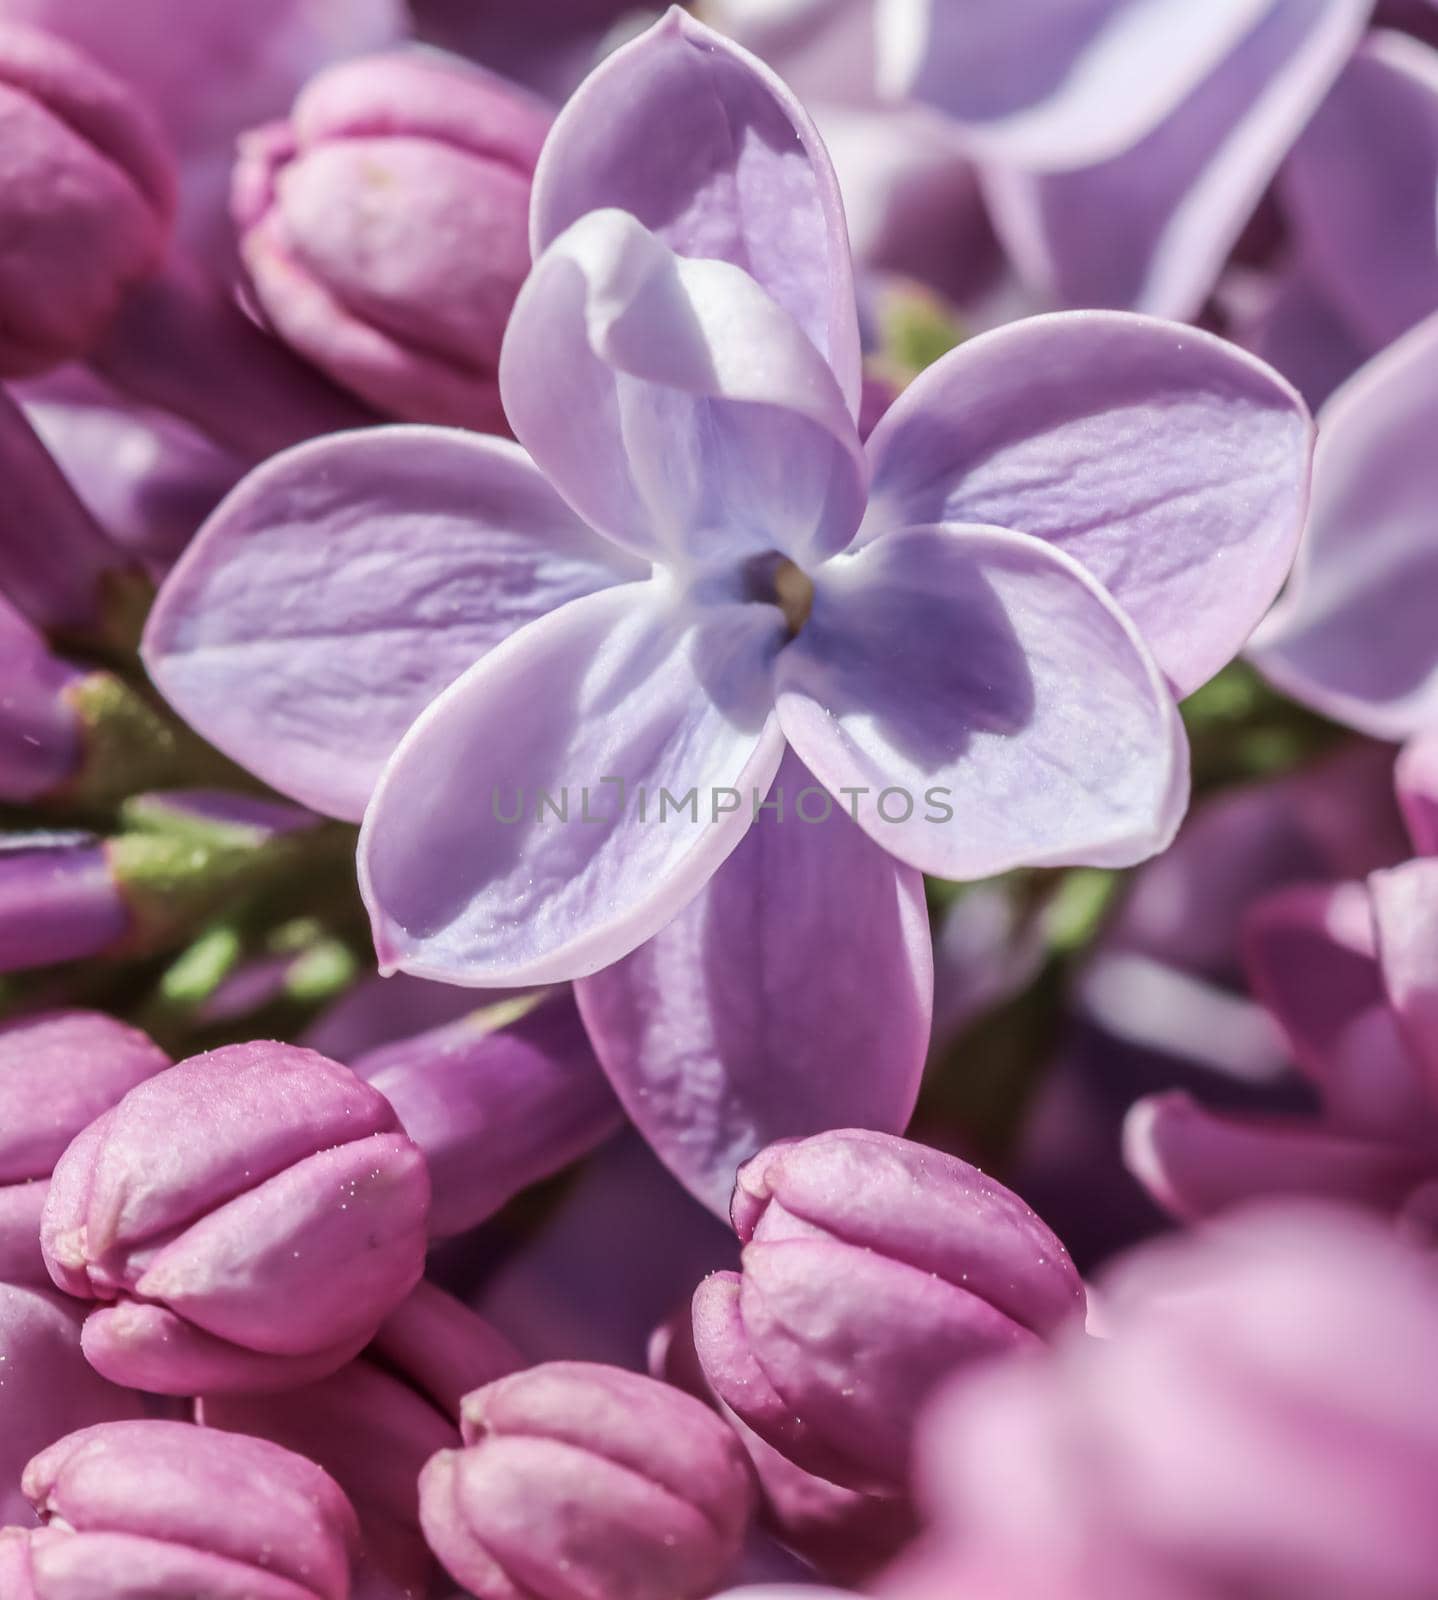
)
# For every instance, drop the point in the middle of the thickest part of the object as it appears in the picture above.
(58, 1072)
(589, 1478)
(1258, 1421)
(697, 565)
(1347, 970)
(168, 1508)
(39, 727)
(1124, 143)
(49, 1387)
(1352, 636)
(384, 229)
(872, 1269)
(203, 1254)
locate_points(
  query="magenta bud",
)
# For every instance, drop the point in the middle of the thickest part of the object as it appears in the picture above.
(58, 1072)
(47, 1388)
(496, 1109)
(385, 229)
(86, 205)
(169, 1509)
(872, 1268)
(585, 1479)
(246, 1219)
(376, 1421)
(1416, 776)
(59, 900)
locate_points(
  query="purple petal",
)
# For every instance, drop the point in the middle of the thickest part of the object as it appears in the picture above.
(739, 174)
(1173, 466)
(723, 1034)
(1051, 84)
(1360, 187)
(1296, 328)
(990, 703)
(694, 418)
(345, 583)
(476, 858)
(1405, 920)
(1195, 1162)
(1353, 636)
(1150, 229)
(1416, 775)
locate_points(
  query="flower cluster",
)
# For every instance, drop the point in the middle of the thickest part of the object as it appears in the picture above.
(657, 670)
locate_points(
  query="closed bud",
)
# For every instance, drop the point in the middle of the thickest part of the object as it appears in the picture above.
(872, 1267)
(385, 229)
(587, 1479)
(245, 1220)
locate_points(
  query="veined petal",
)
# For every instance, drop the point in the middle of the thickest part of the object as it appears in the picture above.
(346, 582)
(1168, 462)
(1150, 229)
(981, 704)
(1051, 84)
(739, 174)
(675, 405)
(520, 833)
(1353, 635)
(1361, 187)
(721, 1035)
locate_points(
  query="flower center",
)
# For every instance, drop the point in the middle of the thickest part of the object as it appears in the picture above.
(775, 580)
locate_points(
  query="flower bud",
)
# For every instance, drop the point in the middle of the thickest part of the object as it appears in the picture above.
(58, 1072)
(48, 1388)
(376, 1421)
(587, 1479)
(59, 900)
(385, 229)
(872, 1267)
(247, 1220)
(166, 1508)
(496, 1108)
(86, 205)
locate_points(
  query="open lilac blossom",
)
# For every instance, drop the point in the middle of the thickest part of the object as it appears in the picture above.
(584, 1478)
(89, 191)
(58, 1071)
(769, 614)
(48, 1389)
(165, 1508)
(872, 1269)
(1351, 635)
(1237, 1431)
(260, 1252)
(39, 728)
(374, 1423)
(495, 1104)
(384, 227)
(1348, 971)
(1125, 143)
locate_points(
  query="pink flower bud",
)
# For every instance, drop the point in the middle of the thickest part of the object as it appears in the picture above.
(58, 1072)
(47, 1389)
(385, 229)
(247, 1218)
(872, 1267)
(86, 205)
(166, 1508)
(581, 1478)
